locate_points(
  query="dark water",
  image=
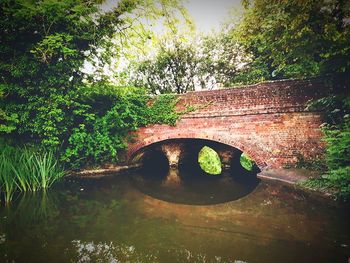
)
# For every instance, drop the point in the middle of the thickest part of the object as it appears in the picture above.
(134, 218)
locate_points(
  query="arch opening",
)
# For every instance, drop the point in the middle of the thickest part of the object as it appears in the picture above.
(154, 163)
(172, 172)
(183, 154)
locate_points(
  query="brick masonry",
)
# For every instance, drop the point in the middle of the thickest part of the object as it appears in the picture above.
(268, 121)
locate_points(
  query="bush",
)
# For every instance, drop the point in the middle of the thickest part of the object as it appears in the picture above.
(103, 133)
(337, 136)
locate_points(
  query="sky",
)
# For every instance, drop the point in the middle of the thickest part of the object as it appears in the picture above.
(208, 14)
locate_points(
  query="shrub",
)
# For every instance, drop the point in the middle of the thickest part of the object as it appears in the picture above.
(337, 136)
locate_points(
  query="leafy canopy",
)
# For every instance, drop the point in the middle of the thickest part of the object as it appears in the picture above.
(296, 39)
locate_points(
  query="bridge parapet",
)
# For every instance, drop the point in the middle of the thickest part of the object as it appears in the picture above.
(266, 97)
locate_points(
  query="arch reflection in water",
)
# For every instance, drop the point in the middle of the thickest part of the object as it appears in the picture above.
(195, 188)
(171, 171)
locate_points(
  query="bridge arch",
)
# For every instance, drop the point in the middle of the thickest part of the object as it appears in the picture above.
(252, 149)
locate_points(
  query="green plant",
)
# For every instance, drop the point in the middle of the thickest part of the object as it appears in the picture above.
(293, 39)
(46, 99)
(103, 133)
(7, 180)
(173, 68)
(163, 111)
(336, 174)
(27, 169)
(315, 164)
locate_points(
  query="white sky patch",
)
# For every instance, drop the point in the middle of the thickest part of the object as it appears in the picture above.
(209, 14)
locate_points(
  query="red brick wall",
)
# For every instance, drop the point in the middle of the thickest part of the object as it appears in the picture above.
(268, 121)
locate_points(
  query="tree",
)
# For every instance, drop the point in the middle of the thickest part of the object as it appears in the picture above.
(295, 39)
(43, 46)
(45, 97)
(223, 58)
(173, 69)
(181, 66)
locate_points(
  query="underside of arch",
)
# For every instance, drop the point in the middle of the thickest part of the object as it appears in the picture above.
(136, 152)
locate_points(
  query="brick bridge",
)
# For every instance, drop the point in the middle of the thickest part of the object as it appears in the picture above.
(268, 121)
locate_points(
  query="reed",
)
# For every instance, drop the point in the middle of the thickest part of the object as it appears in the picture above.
(47, 169)
(27, 169)
(7, 180)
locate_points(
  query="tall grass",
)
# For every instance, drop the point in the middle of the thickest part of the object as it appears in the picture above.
(7, 180)
(27, 169)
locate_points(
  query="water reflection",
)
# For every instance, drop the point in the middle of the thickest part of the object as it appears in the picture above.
(172, 179)
(112, 221)
(31, 209)
(195, 187)
(107, 252)
(113, 253)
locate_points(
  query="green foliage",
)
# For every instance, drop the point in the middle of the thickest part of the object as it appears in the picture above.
(246, 162)
(254, 72)
(27, 169)
(54, 45)
(194, 63)
(43, 46)
(7, 180)
(314, 164)
(7, 121)
(335, 107)
(45, 98)
(294, 39)
(223, 59)
(163, 110)
(100, 132)
(335, 181)
(209, 161)
(337, 136)
(272, 40)
(340, 179)
(338, 150)
(103, 133)
(173, 69)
